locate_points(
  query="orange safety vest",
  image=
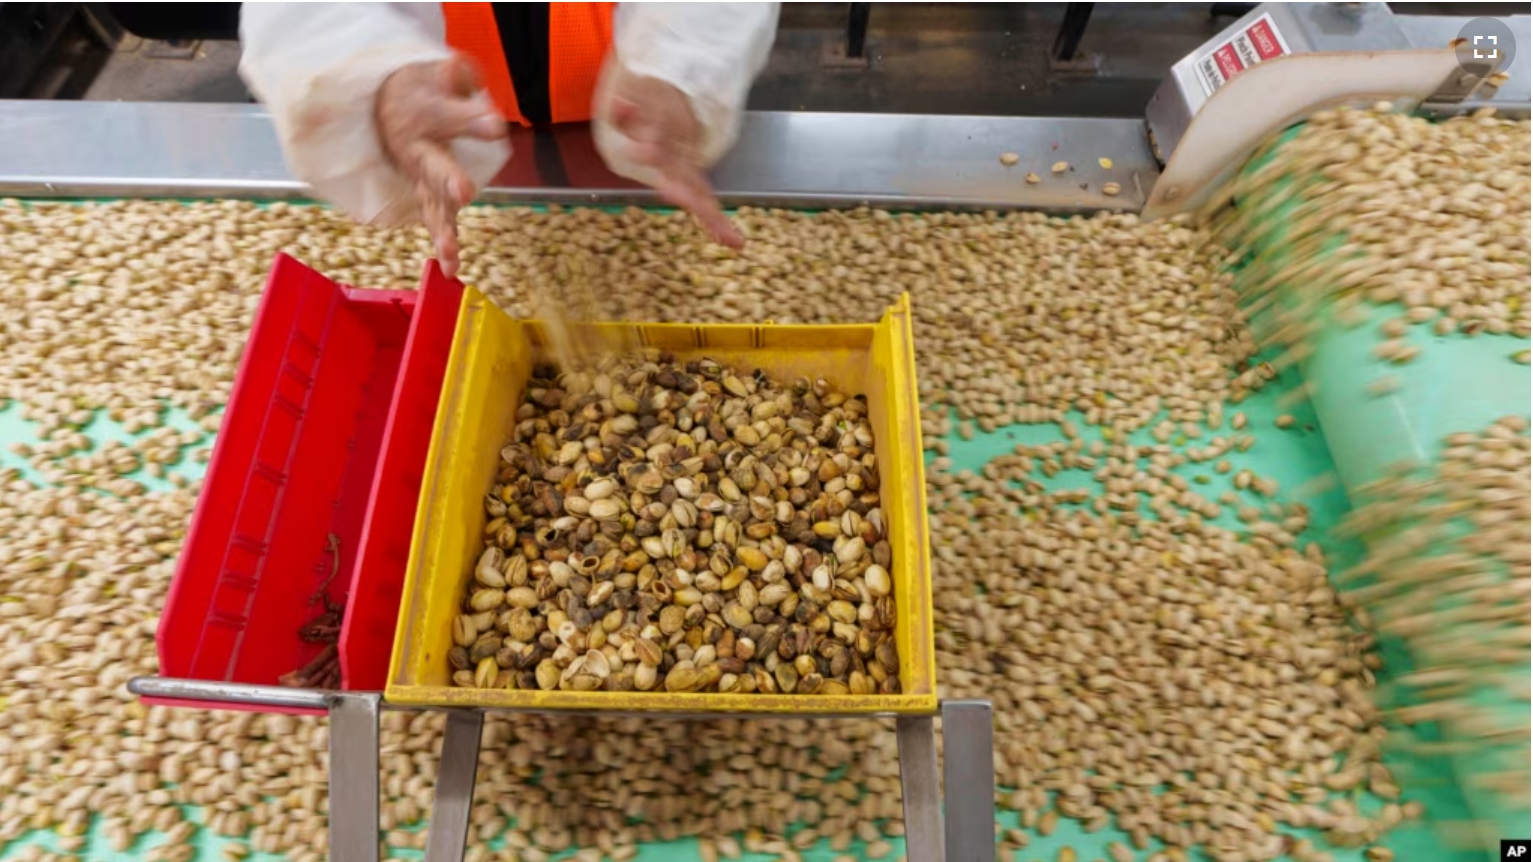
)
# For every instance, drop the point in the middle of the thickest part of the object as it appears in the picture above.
(579, 37)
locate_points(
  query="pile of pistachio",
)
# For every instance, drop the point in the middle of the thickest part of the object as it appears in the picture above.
(659, 525)
(1057, 602)
(1448, 573)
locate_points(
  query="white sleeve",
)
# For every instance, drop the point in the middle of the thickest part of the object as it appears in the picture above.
(710, 51)
(318, 67)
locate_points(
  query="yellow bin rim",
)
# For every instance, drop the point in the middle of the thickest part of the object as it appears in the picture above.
(487, 369)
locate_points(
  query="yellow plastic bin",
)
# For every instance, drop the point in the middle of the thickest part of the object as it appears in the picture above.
(492, 356)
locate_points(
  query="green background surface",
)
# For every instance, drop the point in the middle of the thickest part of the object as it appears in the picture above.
(1361, 431)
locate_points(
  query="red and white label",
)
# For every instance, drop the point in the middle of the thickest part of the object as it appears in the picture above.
(1260, 41)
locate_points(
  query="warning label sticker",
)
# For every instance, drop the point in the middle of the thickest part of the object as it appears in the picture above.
(1260, 41)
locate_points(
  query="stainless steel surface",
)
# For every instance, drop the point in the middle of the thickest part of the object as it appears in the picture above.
(131, 149)
(111, 149)
(1170, 111)
(231, 693)
(968, 780)
(917, 737)
(454, 786)
(918, 161)
(1513, 98)
(1338, 26)
(354, 777)
(1304, 27)
(1345, 28)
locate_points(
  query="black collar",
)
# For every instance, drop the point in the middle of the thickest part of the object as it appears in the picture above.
(524, 39)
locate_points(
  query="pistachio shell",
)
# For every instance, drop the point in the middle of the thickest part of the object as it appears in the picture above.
(878, 581)
(606, 509)
(487, 599)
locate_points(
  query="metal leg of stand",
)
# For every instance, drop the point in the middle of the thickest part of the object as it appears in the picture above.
(353, 777)
(968, 771)
(454, 787)
(857, 27)
(968, 780)
(1068, 39)
(918, 780)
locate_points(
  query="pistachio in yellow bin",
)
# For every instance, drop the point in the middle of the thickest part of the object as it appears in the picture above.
(492, 358)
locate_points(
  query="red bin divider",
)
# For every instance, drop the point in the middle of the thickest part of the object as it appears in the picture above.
(377, 583)
(325, 435)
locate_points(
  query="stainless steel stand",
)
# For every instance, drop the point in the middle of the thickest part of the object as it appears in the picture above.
(353, 748)
(968, 777)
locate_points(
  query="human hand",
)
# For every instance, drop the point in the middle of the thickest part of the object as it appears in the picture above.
(657, 130)
(420, 109)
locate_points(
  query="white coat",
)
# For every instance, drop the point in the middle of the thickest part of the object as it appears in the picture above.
(318, 67)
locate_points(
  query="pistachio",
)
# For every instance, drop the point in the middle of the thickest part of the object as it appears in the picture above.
(747, 596)
(850, 550)
(648, 651)
(487, 600)
(773, 595)
(736, 615)
(464, 630)
(751, 558)
(877, 579)
(522, 597)
(645, 676)
(672, 618)
(485, 672)
(600, 593)
(599, 489)
(487, 571)
(605, 509)
(515, 571)
(787, 677)
(685, 677)
(561, 573)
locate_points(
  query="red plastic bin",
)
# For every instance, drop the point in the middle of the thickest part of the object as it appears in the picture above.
(325, 434)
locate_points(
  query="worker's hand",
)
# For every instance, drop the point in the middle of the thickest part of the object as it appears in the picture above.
(420, 110)
(657, 130)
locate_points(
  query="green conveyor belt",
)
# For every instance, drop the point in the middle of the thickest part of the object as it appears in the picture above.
(1459, 383)
(1295, 457)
